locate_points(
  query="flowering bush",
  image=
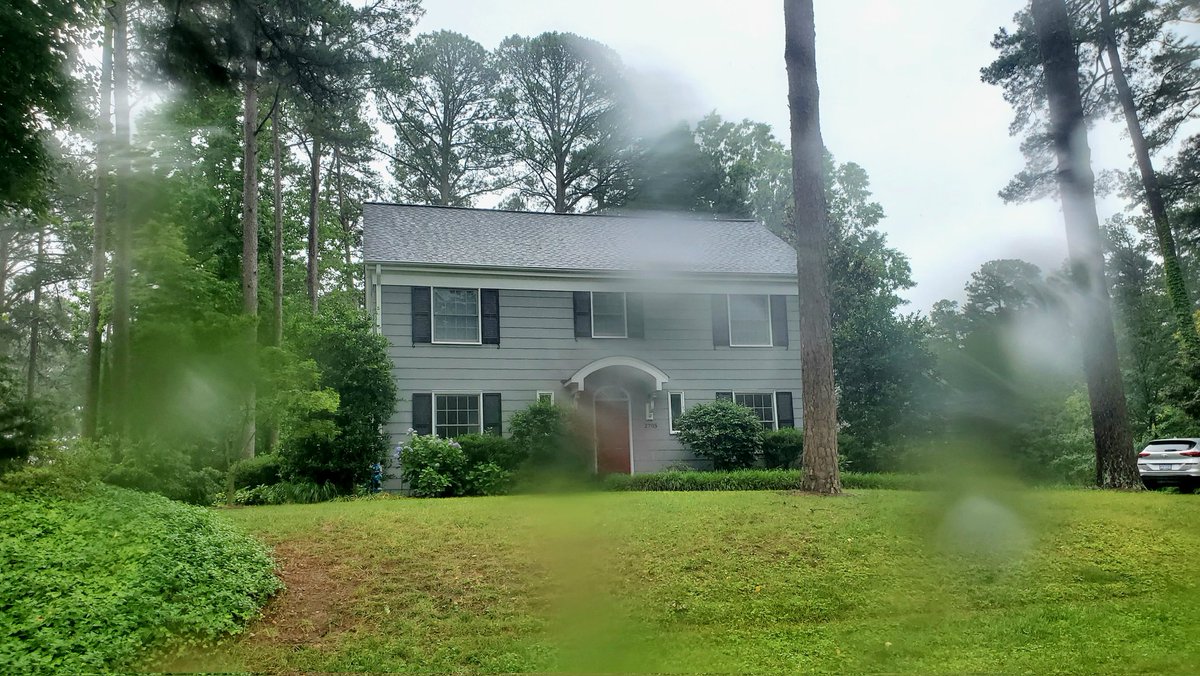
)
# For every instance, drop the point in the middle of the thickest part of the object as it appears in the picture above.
(432, 466)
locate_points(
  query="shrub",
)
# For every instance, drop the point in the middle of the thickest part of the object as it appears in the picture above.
(729, 434)
(432, 466)
(353, 362)
(91, 581)
(23, 424)
(782, 448)
(492, 448)
(155, 467)
(754, 480)
(286, 492)
(261, 470)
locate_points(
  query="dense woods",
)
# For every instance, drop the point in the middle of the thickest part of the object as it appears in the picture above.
(180, 280)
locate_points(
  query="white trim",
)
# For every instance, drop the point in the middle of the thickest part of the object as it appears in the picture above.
(774, 404)
(478, 316)
(660, 378)
(549, 393)
(624, 313)
(544, 279)
(671, 411)
(729, 318)
(433, 405)
(379, 300)
(596, 427)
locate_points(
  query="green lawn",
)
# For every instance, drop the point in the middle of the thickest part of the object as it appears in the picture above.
(1044, 581)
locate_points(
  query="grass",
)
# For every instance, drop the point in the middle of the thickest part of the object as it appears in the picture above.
(1041, 581)
(92, 577)
(754, 480)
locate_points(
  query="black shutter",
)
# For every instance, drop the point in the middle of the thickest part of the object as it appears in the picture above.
(583, 314)
(489, 305)
(422, 320)
(779, 321)
(724, 396)
(783, 408)
(491, 413)
(720, 320)
(422, 413)
(635, 325)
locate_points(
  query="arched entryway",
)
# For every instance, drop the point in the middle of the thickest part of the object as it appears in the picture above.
(613, 415)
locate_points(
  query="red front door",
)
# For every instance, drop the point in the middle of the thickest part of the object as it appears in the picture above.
(612, 437)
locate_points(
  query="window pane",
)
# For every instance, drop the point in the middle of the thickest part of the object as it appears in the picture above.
(608, 315)
(763, 405)
(457, 414)
(456, 315)
(546, 397)
(676, 409)
(749, 320)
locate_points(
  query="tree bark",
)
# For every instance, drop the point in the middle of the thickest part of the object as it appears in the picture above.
(91, 402)
(1177, 294)
(344, 220)
(1116, 463)
(122, 230)
(250, 232)
(276, 251)
(811, 226)
(35, 322)
(314, 230)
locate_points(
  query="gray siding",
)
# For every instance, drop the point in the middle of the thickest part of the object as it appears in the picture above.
(538, 350)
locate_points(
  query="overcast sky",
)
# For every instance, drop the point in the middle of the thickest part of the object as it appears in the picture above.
(900, 95)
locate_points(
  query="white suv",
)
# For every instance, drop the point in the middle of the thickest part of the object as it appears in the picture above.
(1171, 462)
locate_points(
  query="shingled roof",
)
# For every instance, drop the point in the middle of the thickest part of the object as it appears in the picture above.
(398, 233)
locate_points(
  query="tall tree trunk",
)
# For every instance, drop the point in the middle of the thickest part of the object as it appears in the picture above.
(1116, 463)
(122, 230)
(812, 252)
(5, 237)
(250, 233)
(276, 251)
(91, 402)
(314, 230)
(35, 325)
(1177, 293)
(344, 220)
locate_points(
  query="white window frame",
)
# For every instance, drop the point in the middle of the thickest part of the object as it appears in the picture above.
(671, 411)
(774, 405)
(548, 393)
(624, 313)
(478, 397)
(729, 320)
(478, 316)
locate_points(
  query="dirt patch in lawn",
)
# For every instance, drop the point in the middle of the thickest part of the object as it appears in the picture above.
(317, 602)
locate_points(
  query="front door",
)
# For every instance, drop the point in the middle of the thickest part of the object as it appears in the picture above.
(612, 436)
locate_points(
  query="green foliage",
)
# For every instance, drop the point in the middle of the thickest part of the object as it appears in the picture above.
(157, 467)
(491, 462)
(754, 480)
(23, 424)
(552, 439)
(285, 493)
(432, 466)
(93, 580)
(728, 434)
(783, 447)
(261, 470)
(353, 362)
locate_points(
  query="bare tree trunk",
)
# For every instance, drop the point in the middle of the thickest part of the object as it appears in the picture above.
(344, 220)
(91, 402)
(1177, 292)
(1116, 463)
(812, 243)
(250, 234)
(5, 238)
(314, 230)
(122, 231)
(35, 324)
(276, 251)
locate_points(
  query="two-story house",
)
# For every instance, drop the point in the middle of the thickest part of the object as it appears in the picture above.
(628, 319)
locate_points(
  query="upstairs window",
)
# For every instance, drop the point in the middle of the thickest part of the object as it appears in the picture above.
(609, 318)
(455, 315)
(749, 320)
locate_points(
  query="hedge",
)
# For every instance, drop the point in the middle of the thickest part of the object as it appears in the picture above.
(753, 480)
